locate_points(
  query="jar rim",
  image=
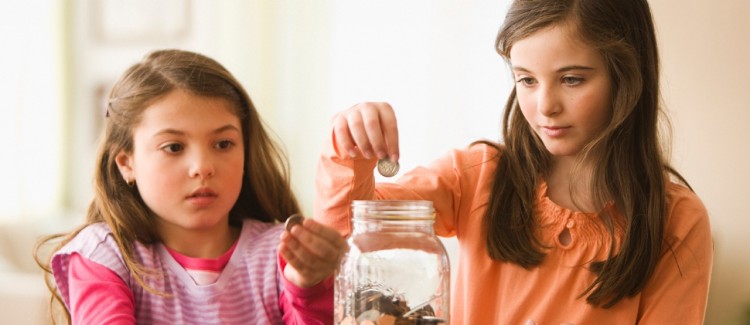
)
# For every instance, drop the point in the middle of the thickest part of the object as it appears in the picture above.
(393, 209)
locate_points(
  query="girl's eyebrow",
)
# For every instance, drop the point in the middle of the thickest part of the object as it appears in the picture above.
(222, 129)
(575, 67)
(563, 69)
(227, 127)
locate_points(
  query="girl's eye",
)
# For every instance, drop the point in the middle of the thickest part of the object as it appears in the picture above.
(172, 148)
(526, 81)
(572, 81)
(224, 144)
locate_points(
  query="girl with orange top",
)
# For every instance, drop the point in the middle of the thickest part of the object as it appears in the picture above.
(576, 216)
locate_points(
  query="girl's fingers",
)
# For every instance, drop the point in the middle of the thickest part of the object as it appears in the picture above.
(372, 126)
(290, 251)
(296, 272)
(302, 273)
(325, 232)
(369, 128)
(350, 133)
(358, 131)
(343, 137)
(390, 130)
(312, 246)
(318, 245)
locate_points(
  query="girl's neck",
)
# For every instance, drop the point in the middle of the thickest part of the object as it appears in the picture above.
(567, 189)
(200, 244)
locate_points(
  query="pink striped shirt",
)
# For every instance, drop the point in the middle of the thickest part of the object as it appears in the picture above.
(250, 289)
(204, 271)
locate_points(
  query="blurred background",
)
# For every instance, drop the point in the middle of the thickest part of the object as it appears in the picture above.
(303, 61)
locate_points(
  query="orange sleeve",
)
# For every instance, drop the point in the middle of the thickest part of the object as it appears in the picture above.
(339, 180)
(678, 290)
(450, 182)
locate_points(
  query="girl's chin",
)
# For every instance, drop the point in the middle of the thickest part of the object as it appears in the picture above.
(558, 151)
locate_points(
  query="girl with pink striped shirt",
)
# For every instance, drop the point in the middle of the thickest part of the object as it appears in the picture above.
(184, 228)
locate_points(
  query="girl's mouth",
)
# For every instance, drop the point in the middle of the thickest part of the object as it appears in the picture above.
(202, 197)
(554, 131)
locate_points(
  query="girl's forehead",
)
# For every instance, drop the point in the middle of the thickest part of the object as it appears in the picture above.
(183, 110)
(556, 44)
(562, 30)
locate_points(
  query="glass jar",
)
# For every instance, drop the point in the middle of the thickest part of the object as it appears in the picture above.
(396, 271)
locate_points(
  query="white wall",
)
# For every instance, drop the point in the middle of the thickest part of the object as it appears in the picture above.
(705, 50)
(31, 110)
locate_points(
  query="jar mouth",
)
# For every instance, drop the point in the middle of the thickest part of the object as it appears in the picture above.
(393, 209)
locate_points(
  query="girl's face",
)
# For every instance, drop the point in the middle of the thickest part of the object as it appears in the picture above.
(563, 89)
(187, 162)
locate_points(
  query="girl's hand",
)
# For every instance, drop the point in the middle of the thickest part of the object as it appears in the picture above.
(312, 251)
(369, 129)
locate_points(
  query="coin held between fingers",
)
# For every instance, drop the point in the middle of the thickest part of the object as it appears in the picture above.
(294, 219)
(387, 168)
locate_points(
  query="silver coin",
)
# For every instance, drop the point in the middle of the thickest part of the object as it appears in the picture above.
(387, 168)
(294, 219)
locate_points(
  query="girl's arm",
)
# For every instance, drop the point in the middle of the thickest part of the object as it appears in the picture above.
(98, 295)
(312, 305)
(361, 135)
(309, 253)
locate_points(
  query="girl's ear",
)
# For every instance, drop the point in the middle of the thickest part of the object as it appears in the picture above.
(125, 165)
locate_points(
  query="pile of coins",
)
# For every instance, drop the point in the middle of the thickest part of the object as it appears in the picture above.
(382, 309)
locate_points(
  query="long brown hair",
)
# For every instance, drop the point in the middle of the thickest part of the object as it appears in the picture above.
(266, 193)
(629, 158)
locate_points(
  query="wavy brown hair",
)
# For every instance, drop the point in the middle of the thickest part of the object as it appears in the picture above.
(265, 195)
(629, 158)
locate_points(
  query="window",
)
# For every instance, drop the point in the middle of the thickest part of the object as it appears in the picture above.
(31, 132)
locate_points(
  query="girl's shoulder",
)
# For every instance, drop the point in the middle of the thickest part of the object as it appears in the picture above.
(97, 242)
(478, 152)
(94, 242)
(685, 210)
(472, 161)
(91, 238)
(485, 147)
(679, 195)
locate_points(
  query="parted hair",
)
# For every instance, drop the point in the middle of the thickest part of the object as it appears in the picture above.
(265, 195)
(629, 158)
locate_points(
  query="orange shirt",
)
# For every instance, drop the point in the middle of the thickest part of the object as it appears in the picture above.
(491, 292)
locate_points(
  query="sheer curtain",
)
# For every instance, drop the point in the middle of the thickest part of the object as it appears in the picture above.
(31, 126)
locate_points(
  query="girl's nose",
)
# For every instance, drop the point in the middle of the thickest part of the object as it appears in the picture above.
(548, 102)
(202, 165)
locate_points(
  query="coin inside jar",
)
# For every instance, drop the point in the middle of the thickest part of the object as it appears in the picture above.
(387, 168)
(294, 219)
